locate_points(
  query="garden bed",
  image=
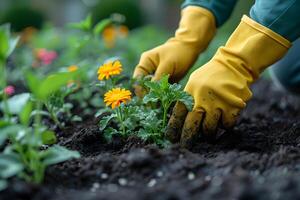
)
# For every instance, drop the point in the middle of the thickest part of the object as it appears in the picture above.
(258, 159)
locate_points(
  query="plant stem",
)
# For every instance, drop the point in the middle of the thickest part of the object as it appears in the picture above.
(7, 114)
(113, 82)
(121, 120)
(165, 116)
(38, 118)
(54, 117)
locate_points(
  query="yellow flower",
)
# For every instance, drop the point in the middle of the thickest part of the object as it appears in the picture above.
(116, 96)
(109, 69)
(72, 68)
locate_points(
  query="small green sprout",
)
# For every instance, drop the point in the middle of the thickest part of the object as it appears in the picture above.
(167, 94)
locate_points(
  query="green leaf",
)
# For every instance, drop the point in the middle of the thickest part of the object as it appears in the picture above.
(4, 41)
(84, 25)
(3, 185)
(176, 87)
(43, 88)
(26, 113)
(49, 137)
(187, 100)
(164, 82)
(151, 97)
(40, 112)
(100, 26)
(7, 43)
(154, 86)
(101, 111)
(53, 83)
(58, 154)
(9, 130)
(105, 121)
(76, 118)
(33, 83)
(10, 165)
(109, 132)
(16, 103)
(12, 45)
(3, 123)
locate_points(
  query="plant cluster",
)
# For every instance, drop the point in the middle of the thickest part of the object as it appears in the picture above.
(146, 117)
(25, 139)
(50, 80)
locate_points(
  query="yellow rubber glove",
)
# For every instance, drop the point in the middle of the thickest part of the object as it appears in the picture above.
(175, 57)
(221, 87)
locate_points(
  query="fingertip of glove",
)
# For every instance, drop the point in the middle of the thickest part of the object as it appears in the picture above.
(139, 72)
(172, 134)
(176, 122)
(191, 128)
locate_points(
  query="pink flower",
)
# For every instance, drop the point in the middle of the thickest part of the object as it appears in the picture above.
(9, 90)
(45, 56)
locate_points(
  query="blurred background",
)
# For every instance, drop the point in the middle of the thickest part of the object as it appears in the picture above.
(164, 13)
(161, 15)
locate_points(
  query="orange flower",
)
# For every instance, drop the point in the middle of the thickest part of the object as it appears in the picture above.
(72, 68)
(71, 83)
(27, 34)
(109, 69)
(116, 96)
(112, 33)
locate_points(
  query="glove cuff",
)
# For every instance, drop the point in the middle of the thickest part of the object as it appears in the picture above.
(268, 32)
(196, 28)
(252, 48)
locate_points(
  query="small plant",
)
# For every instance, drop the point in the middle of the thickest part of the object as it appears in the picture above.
(167, 94)
(51, 93)
(28, 155)
(7, 46)
(107, 73)
(116, 99)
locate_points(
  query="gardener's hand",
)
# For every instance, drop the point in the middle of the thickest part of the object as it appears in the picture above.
(221, 87)
(178, 54)
(219, 94)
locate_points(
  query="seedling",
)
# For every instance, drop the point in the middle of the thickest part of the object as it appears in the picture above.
(27, 156)
(7, 46)
(167, 94)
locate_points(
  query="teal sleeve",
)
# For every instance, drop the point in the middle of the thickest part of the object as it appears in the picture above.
(221, 9)
(283, 17)
(286, 72)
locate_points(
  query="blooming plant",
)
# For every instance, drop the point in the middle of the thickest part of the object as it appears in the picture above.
(46, 57)
(135, 117)
(115, 98)
(27, 137)
(9, 90)
(109, 69)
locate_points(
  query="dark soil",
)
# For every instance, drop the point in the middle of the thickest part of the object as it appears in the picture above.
(258, 159)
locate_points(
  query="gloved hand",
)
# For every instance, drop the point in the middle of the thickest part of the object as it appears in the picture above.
(175, 57)
(221, 87)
